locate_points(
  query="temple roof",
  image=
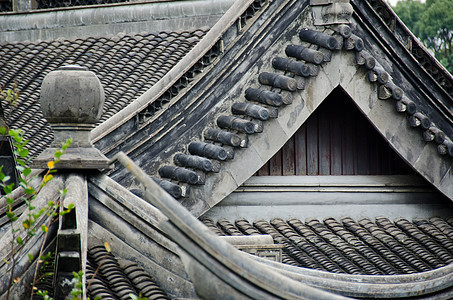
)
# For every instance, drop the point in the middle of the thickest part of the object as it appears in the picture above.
(201, 111)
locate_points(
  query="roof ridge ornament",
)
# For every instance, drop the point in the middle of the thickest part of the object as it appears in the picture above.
(331, 12)
(72, 100)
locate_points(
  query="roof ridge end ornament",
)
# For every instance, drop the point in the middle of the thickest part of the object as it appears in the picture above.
(72, 100)
(331, 12)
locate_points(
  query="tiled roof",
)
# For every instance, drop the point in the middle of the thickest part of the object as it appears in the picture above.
(127, 66)
(112, 278)
(301, 65)
(379, 247)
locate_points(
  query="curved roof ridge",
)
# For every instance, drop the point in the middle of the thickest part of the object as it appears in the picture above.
(166, 82)
(412, 43)
(401, 285)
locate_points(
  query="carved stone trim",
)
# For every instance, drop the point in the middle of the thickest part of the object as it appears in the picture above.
(330, 12)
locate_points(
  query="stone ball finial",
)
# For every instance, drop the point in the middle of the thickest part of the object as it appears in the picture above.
(72, 100)
(72, 94)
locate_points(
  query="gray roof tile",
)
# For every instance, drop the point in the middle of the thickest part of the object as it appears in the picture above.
(379, 247)
(127, 66)
(118, 278)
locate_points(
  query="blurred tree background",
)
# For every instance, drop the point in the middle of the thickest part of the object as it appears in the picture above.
(432, 23)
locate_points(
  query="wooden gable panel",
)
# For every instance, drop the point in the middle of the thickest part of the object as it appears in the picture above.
(336, 140)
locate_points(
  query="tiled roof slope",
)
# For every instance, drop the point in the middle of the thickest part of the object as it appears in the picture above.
(112, 278)
(131, 227)
(379, 247)
(127, 66)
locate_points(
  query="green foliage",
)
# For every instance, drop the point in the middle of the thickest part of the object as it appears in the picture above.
(77, 290)
(432, 23)
(33, 215)
(409, 12)
(44, 294)
(23, 232)
(11, 97)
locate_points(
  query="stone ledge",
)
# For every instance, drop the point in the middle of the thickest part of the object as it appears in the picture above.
(74, 158)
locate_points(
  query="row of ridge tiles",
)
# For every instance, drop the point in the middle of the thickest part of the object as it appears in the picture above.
(353, 246)
(126, 64)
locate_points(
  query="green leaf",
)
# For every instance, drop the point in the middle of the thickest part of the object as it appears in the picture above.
(10, 214)
(9, 200)
(26, 224)
(39, 213)
(47, 178)
(8, 189)
(17, 139)
(46, 256)
(29, 190)
(2, 130)
(30, 257)
(63, 212)
(23, 184)
(23, 152)
(58, 154)
(20, 241)
(13, 132)
(26, 171)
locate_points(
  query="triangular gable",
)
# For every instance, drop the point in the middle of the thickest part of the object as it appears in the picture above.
(379, 75)
(335, 140)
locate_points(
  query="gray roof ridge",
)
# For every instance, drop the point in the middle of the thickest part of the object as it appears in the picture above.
(204, 253)
(127, 17)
